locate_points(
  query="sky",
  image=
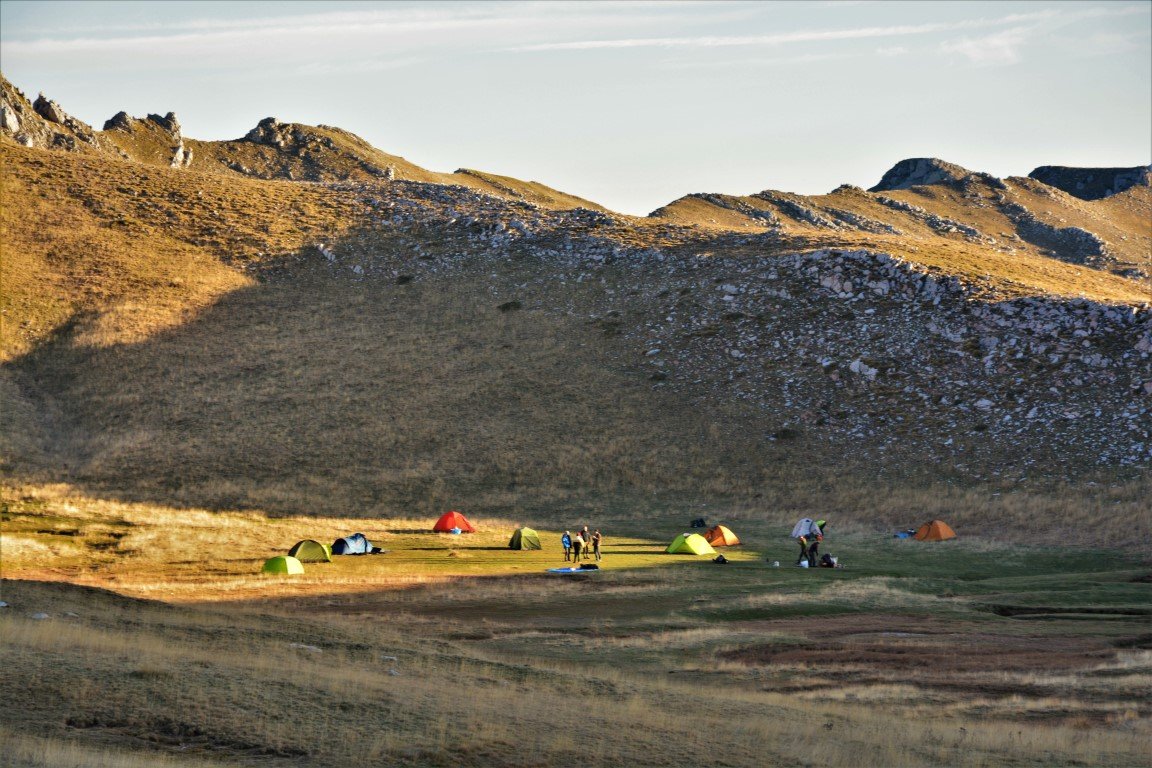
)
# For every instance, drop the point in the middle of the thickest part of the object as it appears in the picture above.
(629, 104)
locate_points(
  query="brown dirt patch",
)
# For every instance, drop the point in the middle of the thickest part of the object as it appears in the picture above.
(896, 643)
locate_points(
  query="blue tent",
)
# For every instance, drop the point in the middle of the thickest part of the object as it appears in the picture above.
(356, 544)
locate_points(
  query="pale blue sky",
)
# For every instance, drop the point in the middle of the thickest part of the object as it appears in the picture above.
(631, 104)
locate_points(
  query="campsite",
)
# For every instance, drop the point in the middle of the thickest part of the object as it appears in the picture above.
(455, 649)
(828, 324)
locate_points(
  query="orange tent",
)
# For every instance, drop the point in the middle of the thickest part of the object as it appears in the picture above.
(720, 536)
(450, 520)
(937, 530)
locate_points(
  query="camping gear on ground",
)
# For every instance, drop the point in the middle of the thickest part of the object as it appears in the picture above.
(904, 534)
(585, 568)
(827, 561)
(690, 544)
(311, 551)
(282, 564)
(450, 520)
(936, 530)
(802, 564)
(721, 536)
(720, 559)
(699, 523)
(524, 538)
(356, 544)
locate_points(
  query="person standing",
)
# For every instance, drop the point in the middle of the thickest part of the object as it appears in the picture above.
(566, 541)
(814, 544)
(806, 532)
(596, 538)
(587, 542)
(577, 545)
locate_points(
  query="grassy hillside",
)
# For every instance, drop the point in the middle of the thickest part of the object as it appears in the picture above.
(258, 378)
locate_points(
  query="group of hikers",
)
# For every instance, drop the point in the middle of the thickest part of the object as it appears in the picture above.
(584, 542)
(809, 534)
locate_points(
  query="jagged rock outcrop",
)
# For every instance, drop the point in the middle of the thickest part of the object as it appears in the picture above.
(919, 171)
(153, 139)
(1093, 183)
(272, 132)
(41, 124)
(49, 110)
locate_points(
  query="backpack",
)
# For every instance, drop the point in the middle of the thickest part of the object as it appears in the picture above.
(720, 559)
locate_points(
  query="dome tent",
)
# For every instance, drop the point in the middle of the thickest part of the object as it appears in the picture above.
(450, 520)
(356, 544)
(936, 530)
(282, 564)
(690, 544)
(721, 536)
(311, 551)
(524, 538)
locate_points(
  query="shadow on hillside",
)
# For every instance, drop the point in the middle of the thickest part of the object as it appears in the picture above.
(334, 396)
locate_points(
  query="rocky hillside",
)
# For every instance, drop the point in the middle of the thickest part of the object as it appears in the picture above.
(271, 150)
(1093, 183)
(945, 324)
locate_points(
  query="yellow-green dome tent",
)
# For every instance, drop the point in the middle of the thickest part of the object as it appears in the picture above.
(311, 551)
(282, 564)
(690, 544)
(524, 538)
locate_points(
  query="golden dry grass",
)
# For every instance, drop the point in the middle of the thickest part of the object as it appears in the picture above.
(471, 661)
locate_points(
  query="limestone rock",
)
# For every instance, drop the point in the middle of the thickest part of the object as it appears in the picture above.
(49, 110)
(919, 171)
(9, 121)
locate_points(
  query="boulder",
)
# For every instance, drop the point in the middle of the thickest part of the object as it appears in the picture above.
(49, 110)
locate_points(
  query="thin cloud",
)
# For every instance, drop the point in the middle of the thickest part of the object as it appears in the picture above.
(1006, 47)
(998, 49)
(812, 36)
(354, 67)
(681, 65)
(783, 38)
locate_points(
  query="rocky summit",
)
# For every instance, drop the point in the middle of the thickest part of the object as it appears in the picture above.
(981, 328)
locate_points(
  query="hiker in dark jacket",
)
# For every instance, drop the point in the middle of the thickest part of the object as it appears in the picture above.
(577, 545)
(596, 538)
(587, 542)
(814, 543)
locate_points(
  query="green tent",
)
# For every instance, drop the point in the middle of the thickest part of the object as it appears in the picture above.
(311, 551)
(690, 544)
(282, 564)
(524, 538)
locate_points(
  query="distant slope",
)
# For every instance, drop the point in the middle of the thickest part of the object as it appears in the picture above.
(271, 150)
(1020, 233)
(1093, 183)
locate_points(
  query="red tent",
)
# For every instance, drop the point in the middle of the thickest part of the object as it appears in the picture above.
(450, 520)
